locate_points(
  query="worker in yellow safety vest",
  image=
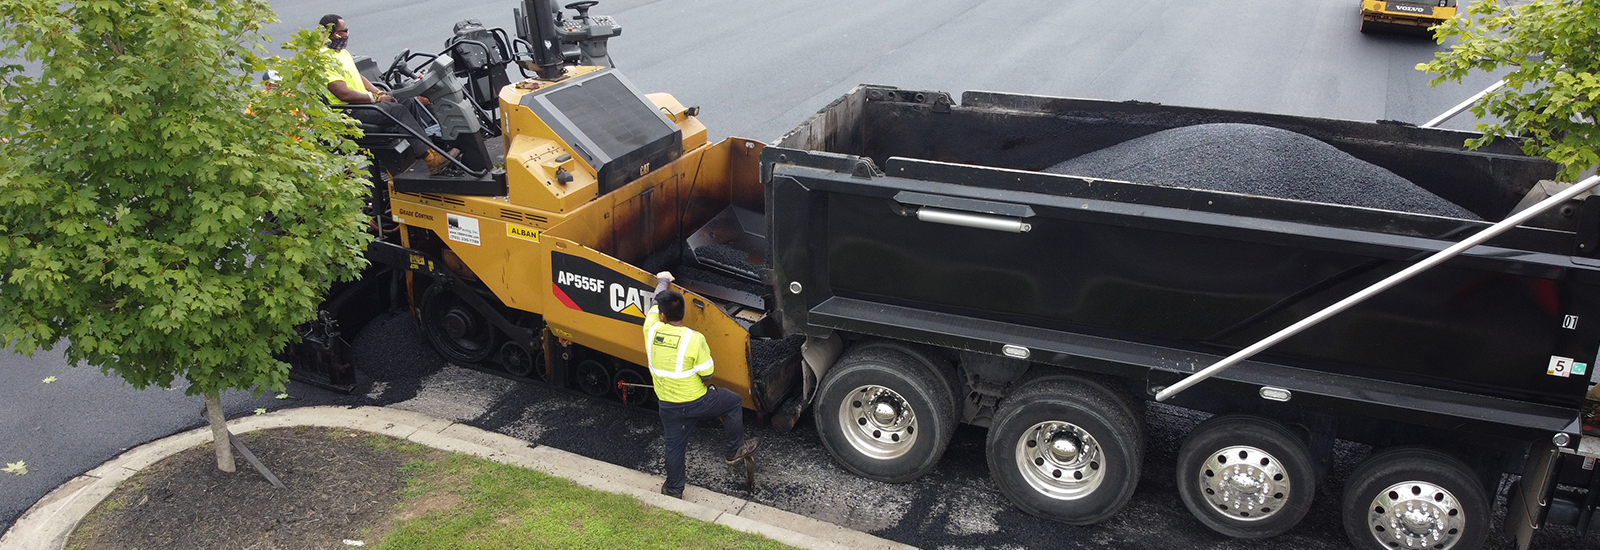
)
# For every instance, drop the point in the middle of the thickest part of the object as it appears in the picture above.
(346, 86)
(680, 365)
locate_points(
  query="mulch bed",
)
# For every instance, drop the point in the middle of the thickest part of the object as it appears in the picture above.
(338, 485)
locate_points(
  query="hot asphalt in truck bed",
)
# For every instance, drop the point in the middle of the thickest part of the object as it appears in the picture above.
(1257, 160)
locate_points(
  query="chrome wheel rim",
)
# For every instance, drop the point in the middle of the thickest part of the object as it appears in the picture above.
(1416, 514)
(1244, 483)
(878, 422)
(1060, 460)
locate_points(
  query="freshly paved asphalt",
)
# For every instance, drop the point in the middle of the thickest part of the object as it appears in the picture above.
(757, 68)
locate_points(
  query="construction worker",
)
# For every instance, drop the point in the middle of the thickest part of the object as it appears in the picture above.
(346, 86)
(680, 365)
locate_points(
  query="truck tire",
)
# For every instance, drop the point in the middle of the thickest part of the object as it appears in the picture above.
(1245, 477)
(455, 329)
(883, 415)
(1065, 450)
(1412, 497)
(930, 360)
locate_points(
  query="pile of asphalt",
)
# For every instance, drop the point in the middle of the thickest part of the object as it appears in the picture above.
(1258, 160)
(713, 278)
(765, 354)
(729, 259)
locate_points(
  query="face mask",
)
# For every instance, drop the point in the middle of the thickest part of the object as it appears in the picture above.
(338, 44)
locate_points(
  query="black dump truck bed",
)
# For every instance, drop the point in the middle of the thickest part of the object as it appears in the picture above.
(904, 215)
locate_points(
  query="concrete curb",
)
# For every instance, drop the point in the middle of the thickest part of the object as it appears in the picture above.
(47, 524)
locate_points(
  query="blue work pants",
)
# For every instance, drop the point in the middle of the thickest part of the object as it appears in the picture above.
(678, 421)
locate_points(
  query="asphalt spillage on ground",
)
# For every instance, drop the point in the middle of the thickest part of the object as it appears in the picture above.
(1258, 160)
(955, 506)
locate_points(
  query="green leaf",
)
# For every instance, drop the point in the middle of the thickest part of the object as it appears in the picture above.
(132, 192)
(19, 467)
(1551, 49)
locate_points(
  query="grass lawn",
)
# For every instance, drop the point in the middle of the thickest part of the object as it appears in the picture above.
(454, 501)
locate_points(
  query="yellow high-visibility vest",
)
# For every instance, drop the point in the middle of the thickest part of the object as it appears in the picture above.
(347, 72)
(678, 358)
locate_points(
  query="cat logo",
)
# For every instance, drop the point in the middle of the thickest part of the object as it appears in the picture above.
(630, 300)
(586, 286)
(644, 169)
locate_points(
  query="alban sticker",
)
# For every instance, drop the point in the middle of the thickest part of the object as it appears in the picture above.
(524, 233)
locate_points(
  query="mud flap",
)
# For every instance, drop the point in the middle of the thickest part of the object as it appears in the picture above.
(1530, 497)
(787, 414)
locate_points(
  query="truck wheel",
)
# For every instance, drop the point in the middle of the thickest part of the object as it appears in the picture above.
(883, 415)
(1415, 498)
(946, 374)
(1065, 450)
(457, 331)
(1245, 477)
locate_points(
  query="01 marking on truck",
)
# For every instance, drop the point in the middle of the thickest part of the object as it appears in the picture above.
(524, 233)
(1565, 366)
(1570, 322)
(463, 229)
(586, 286)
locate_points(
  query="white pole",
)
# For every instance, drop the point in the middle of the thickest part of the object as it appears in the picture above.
(1447, 115)
(1436, 259)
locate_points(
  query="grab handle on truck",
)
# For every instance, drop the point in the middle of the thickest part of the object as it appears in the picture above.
(1424, 265)
(980, 221)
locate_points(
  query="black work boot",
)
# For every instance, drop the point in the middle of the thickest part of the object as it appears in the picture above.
(664, 491)
(745, 450)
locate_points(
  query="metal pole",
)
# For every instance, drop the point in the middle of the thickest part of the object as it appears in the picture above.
(1447, 115)
(1436, 259)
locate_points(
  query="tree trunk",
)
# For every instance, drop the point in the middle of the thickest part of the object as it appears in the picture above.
(219, 432)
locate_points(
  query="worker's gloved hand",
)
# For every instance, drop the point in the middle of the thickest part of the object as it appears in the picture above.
(666, 275)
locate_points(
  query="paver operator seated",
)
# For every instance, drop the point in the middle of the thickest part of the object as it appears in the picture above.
(680, 365)
(346, 86)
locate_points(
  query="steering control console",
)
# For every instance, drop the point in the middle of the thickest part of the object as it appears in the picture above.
(589, 32)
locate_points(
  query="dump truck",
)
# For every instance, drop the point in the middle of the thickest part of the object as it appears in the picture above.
(902, 262)
(1405, 17)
